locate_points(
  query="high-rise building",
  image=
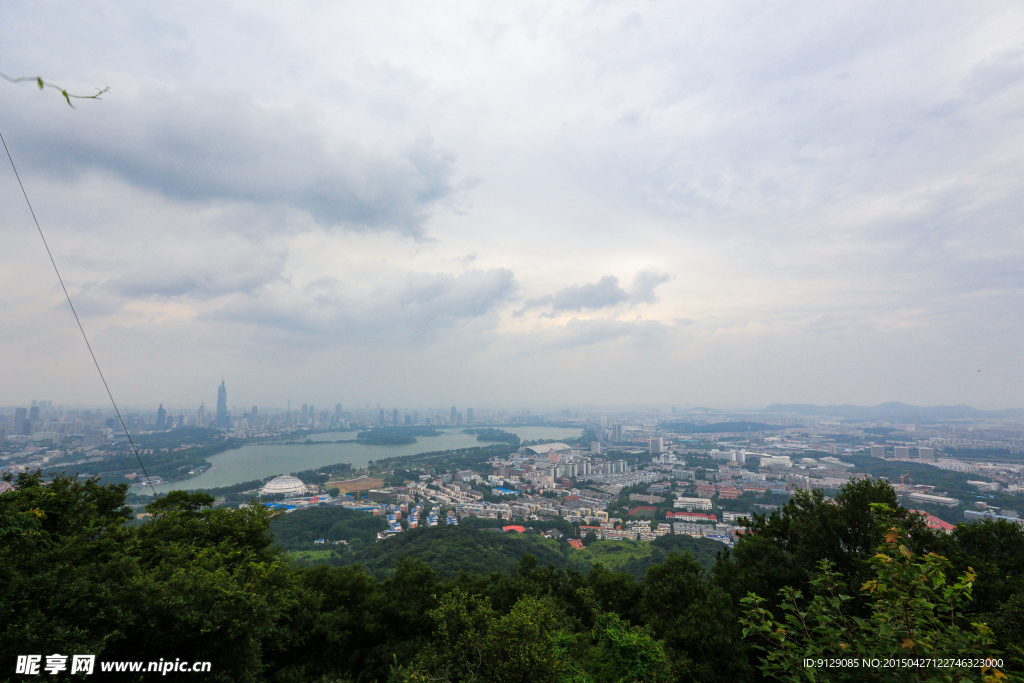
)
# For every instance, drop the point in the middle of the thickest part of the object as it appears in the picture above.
(616, 433)
(901, 452)
(21, 423)
(254, 415)
(451, 420)
(469, 416)
(161, 417)
(222, 406)
(337, 412)
(304, 417)
(878, 451)
(394, 416)
(925, 453)
(657, 445)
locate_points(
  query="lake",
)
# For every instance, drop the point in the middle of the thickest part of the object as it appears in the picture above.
(258, 461)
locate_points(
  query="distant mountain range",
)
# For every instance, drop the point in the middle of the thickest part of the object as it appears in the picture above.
(893, 412)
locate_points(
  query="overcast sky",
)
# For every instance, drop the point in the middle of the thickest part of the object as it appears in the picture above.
(514, 204)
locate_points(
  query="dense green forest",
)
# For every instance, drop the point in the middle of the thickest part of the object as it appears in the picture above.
(858, 574)
(494, 435)
(394, 436)
(438, 462)
(448, 550)
(298, 530)
(170, 465)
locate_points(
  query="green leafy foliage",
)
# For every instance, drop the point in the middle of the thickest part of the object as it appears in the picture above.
(493, 435)
(297, 530)
(784, 549)
(171, 465)
(448, 550)
(636, 557)
(202, 583)
(916, 613)
(393, 436)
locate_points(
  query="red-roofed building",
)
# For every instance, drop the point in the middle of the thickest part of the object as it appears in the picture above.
(729, 492)
(691, 516)
(576, 543)
(934, 522)
(514, 527)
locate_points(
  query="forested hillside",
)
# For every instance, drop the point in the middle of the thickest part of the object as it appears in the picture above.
(205, 584)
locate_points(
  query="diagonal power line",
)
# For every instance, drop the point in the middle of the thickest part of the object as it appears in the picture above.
(75, 313)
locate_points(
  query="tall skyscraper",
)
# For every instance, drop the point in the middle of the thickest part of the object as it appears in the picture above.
(161, 417)
(222, 406)
(451, 421)
(469, 416)
(21, 423)
(337, 413)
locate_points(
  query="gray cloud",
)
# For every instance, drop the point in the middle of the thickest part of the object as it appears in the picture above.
(202, 280)
(206, 145)
(595, 331)
(416, 311)
(604, 293)
(838, 191)
(644, 284)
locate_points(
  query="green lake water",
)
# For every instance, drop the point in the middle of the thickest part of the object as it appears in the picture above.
(258, 461)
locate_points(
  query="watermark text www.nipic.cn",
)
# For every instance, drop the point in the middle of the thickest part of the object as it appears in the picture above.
(39, 665)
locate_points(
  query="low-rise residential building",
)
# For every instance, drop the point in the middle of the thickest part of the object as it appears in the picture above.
(692, 503)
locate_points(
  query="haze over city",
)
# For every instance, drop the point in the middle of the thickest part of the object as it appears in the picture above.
(579, 204)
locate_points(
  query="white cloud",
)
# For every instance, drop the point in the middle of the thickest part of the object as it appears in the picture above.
(790, 197)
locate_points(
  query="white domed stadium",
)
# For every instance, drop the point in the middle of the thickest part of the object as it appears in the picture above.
(288, 486)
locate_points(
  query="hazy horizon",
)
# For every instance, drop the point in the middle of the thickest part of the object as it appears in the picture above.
(533, 205)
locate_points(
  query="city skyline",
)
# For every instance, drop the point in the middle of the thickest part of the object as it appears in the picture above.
(725, 207)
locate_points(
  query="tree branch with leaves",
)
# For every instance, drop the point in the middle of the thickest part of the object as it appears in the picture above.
(63, 91)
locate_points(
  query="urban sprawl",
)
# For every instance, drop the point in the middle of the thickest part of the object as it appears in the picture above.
(636, 475)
